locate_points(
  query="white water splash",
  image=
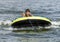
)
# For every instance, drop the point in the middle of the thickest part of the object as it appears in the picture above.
(55, 24)
(7, 22)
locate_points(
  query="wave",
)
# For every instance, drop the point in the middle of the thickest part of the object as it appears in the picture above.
(10, 12)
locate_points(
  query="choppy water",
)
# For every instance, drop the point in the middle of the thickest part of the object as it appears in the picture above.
(12, 9)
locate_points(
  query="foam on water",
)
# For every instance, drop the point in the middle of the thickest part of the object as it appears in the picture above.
(7, 22)
(55, 24)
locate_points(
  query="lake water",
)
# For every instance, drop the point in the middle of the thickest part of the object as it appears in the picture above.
(12, 9)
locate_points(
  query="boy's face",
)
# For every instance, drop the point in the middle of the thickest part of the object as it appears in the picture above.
(27, 12)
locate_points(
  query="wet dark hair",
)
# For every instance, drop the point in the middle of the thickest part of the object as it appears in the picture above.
(27, 10)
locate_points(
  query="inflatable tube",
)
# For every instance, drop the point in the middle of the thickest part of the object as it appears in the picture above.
(31, 21)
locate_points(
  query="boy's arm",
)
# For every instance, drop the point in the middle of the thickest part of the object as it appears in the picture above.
(23, 14)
